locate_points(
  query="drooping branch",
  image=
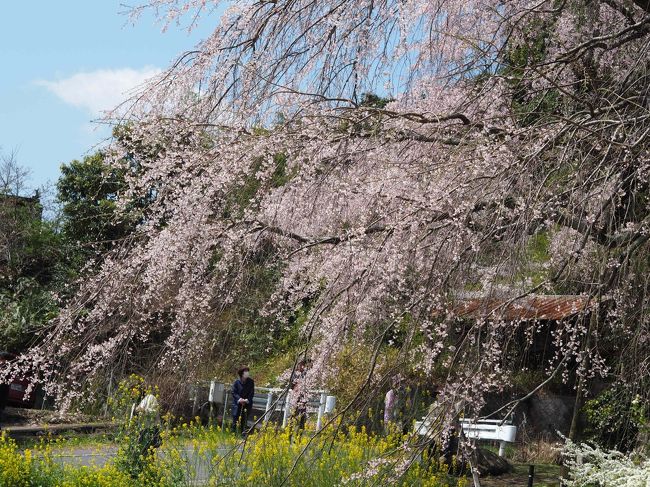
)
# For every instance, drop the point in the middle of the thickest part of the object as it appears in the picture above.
(312, 241)
(643, 4)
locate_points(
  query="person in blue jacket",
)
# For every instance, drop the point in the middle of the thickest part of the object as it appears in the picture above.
(243, 391)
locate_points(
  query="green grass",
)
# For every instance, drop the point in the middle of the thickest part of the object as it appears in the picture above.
(545, 476)
(68, 440)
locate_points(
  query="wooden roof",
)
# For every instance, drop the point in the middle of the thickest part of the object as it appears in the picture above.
(532, 307)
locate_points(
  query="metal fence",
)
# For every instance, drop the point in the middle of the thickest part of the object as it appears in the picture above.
(272, 403)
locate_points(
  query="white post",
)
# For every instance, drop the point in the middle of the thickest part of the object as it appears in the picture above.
(225, 410)
(267, 411)
(330, 404)
(195, 400)
(213, 386)
(110, 391)
(502, 448)
(287, 407)
(321, 410)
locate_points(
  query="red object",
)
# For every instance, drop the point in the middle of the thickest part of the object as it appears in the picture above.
(16, 390)
(16, 394)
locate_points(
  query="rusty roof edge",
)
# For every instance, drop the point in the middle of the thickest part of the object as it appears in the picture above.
(523, 308)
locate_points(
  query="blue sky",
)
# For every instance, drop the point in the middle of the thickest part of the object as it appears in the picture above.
(61, 62)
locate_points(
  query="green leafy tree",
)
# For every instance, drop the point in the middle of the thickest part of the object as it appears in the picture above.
(88, 192)
(31, 257)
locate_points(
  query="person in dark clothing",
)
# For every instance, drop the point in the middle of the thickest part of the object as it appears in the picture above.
(243, 391)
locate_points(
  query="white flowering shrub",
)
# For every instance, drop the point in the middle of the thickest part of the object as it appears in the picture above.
(592, 467)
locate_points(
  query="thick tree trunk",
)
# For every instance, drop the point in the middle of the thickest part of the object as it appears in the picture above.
(574, 429)
(577, 406)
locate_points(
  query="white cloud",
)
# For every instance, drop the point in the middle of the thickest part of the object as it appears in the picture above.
(100, 90)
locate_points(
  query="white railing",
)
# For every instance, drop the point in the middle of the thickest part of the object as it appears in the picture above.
(482, 429)
(274, 399)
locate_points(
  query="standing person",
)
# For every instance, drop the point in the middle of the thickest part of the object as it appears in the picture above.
(243, 391)
(141, 436)
(392, 405)
(148, 412)
(389, 409)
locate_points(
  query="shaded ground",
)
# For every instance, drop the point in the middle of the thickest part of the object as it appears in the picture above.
(545, 476)
(34, 417)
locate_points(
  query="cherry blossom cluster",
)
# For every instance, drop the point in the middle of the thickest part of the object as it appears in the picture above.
(496, 125)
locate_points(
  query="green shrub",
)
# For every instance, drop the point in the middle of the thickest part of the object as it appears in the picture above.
(615, 417)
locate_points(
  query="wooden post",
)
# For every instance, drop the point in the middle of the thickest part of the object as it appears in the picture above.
(110, 392)
(531, 475)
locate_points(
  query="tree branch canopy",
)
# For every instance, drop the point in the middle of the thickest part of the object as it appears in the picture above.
(350, 171)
